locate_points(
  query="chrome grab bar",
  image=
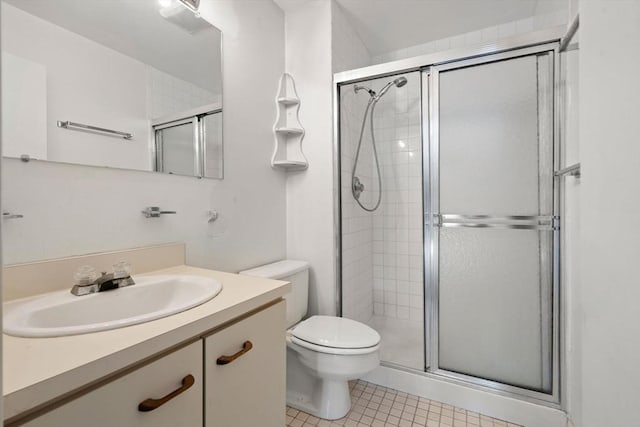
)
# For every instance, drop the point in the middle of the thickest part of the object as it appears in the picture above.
(80, 126)
(511, 222)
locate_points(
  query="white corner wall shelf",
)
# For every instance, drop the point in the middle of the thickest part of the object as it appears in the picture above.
(287, 130)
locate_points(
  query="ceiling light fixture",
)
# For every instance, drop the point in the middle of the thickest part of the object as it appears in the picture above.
(192, 5)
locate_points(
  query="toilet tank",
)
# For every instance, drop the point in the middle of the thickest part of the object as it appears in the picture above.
(296, 272)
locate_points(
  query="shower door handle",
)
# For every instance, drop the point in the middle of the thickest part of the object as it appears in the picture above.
(511, 222)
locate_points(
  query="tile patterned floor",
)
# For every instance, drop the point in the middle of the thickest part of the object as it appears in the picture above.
(377, 406)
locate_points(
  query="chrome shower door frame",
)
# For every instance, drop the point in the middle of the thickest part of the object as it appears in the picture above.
(431, 174)
(546, 40)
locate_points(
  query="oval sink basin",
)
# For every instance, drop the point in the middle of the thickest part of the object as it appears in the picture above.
(152, 297)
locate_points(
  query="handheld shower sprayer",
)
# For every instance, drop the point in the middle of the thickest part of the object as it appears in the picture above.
(356, 186)
(399, 82)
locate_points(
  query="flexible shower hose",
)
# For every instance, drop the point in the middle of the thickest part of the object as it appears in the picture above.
(371, 104)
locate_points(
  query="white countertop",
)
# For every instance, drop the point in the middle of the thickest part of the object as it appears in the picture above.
(37, 370)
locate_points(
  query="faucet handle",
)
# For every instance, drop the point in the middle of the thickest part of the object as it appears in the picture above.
(121, 269)
(85, 275)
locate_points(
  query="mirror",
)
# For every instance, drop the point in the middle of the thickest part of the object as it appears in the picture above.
(133, 84)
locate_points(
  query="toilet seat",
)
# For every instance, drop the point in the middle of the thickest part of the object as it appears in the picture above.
(332, 350)
(335, 335)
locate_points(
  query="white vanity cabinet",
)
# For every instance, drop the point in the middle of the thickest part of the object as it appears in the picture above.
(241, 381)
(245, 371)
(117, 402)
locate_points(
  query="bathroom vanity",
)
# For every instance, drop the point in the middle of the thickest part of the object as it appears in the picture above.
(201, 367)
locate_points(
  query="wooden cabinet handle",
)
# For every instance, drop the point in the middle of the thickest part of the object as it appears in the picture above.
(151, 404)
(223, 360)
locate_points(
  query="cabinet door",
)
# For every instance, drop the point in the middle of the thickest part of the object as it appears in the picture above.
(116, 403)
(245, 387)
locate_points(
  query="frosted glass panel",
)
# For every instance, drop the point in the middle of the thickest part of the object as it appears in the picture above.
(495, 287)
(489, 138)
(491, 304)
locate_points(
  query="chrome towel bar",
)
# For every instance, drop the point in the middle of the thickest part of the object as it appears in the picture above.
(541, 227)
(512, 222)
(88, 128)
(9, 215)
(573, 170)
(448, 217)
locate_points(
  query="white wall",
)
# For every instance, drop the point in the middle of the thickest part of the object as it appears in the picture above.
(75, 209)
(310, 192)
(486, 35)
(570, 232)
(609, 206)
(24, 104)
(319, 41)
(347, 49)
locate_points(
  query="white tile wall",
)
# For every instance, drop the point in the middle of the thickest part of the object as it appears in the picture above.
(486, 35)
(169, 94)
(397, 225)
(357, 224)
(349, 52)
(382, 251)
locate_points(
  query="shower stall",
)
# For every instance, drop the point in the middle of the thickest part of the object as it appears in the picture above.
(448, 214)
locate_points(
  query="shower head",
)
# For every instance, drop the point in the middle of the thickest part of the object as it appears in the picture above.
(399, 82)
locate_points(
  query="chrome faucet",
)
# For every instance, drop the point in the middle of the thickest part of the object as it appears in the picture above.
(88, 282)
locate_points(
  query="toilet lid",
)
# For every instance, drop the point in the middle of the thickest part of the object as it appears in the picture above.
(336, 332)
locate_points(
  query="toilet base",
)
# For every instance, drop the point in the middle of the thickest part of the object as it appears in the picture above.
(318, 381)
(330, 400)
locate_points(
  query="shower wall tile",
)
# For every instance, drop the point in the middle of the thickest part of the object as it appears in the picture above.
(357, 224)
(171, 95)
(348, 52)
(398, 138)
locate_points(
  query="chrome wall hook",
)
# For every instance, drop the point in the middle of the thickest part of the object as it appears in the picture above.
(212, 216)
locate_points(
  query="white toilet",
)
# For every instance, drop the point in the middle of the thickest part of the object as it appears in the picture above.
(323, 352)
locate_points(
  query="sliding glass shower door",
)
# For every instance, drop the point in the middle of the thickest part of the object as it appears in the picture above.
(490, 218)
(448, 217)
